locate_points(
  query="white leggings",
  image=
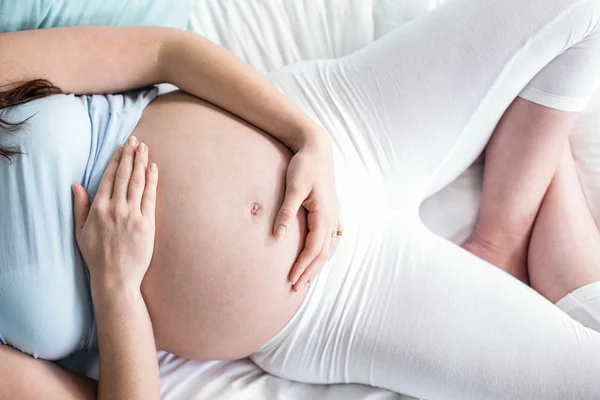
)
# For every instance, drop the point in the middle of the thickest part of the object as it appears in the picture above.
(399, 307)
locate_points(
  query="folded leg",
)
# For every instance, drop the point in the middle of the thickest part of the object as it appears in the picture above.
(563, 253)
(420, 316)
(399, 307)
(520, 160)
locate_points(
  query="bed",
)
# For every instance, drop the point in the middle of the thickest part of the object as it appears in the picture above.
(271, 33)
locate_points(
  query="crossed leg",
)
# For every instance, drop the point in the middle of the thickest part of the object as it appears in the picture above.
(521, 159)
(563, 252)
(534, 221)
(399, 307)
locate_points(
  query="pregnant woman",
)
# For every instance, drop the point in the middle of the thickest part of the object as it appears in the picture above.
(396, 306)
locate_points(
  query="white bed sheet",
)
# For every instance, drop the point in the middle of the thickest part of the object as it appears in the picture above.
(272, 33)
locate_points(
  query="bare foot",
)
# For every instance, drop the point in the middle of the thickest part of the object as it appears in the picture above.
(511, 260)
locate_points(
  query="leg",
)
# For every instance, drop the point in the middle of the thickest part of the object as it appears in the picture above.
(434, 127)
(521, 159)
(419, 105)
(420, 316)
(563, 254)
(399, 307)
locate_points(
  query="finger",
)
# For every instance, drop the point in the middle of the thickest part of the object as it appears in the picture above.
(315, 265)
(312, 248)
(124, 171)
(335, 243)
(105, 188)
(294, 197)
(81, 206)
(330, 243)
(137, 182)
(149, 197)
(311, 271)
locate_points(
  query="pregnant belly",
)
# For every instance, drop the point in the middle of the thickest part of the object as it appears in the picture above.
(217, 287)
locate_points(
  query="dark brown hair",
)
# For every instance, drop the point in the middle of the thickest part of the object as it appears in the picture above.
(20, 94)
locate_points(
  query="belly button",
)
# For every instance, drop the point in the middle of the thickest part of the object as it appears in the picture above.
(255, 209)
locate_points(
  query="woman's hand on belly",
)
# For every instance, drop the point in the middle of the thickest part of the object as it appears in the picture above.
(310, 183)
(116, 238)
(218, 286)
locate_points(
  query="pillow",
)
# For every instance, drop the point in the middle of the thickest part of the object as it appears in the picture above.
(36, 14)
(269, 34)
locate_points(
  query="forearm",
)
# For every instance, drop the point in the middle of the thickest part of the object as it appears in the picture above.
(128, 363)
(27, 378)
(210, 72)
(89, 59)
(84, 59)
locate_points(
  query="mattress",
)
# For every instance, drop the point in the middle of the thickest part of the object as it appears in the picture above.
(271, 33)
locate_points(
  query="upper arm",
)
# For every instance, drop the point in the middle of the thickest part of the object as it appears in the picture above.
(84, 60)
(24, 377)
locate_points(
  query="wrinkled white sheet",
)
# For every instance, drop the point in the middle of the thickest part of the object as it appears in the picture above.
(272, 33)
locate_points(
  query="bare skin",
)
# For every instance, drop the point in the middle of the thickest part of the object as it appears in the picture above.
(230, 292)
(562, 244)
(124, 58)
(218, 286)
(43, 379)
(563, 253)
(530, 136)
(534, 221)
(521, 159)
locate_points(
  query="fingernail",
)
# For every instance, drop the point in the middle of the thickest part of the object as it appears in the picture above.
(132, 141)
(153, 167)
(280, 232)
(142, 148)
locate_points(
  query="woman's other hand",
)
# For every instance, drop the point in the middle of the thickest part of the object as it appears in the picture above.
(116, 238)
(116, 234)
(310, 183)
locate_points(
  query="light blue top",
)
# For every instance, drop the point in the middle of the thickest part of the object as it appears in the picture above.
(38, 14)
(45, 303)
